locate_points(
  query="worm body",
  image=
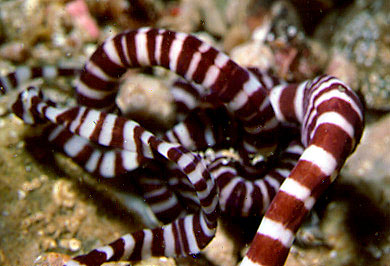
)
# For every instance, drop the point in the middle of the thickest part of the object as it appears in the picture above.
(229, 107)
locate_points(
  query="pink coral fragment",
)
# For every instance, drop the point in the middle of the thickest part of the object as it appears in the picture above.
(79, 10)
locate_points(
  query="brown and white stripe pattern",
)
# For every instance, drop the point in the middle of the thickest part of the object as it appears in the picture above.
(160, 197)
(182, 237)
(242, 197)
(244, 190)
(25, 73)
(187, 97)
(204, 128)
(332, 121)
(243, 94)
(211, 124)
(107, 163)
(111, 163)
(186, 235)
(328, 113)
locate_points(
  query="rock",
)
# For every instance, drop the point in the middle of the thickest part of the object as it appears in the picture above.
(222, 250)
(362, 36)
(253, 54)
(51, 259)
(14, 51)
(369, 166)
(146, 99)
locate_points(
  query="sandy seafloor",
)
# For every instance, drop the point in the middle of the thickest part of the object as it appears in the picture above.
(50, 208)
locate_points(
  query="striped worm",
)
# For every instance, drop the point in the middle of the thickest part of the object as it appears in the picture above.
(231, 107)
